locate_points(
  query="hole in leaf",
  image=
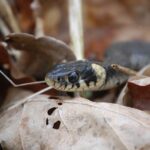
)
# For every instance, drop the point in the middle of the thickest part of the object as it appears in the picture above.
(50, 111)
(53, 97)
(56, 125)
(47, 121)
(59, 103)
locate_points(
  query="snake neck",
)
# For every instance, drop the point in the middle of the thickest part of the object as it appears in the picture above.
(113, 78)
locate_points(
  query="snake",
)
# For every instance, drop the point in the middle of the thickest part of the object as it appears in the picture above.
(88, 75)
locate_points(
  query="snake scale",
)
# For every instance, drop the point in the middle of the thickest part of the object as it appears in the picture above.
(83, 75)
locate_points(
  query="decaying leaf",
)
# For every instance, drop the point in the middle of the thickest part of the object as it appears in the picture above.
(6, 63)
(137, 91)
(39, 54)
(4, 57)
(8, 67)
(9, 135)
(145, 71)
(74, 124)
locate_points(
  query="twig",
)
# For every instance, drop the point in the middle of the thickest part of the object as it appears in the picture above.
(22, 84)
(36, 7)
(125, 70)
(7, 14)
(76, 27)
(4, 29)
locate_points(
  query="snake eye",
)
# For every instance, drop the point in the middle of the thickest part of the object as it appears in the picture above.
(73, 77)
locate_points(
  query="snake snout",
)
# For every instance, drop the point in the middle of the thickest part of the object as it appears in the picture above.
(57, 81)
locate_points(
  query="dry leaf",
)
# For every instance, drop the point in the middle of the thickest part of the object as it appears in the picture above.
(74, 124)
(7, 63)
(137, 91)
(39, 54)
(4, 57)
(9, 135)
(145, 71)
(58, 12)
(8, 67)
(5, 66)
(25, 18)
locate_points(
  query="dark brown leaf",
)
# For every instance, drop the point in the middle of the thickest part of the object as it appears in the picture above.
(26, 18)
(4, 57)
(8, 67)
(139, 93)
(39, 54)
(4, 65)
(136, 93)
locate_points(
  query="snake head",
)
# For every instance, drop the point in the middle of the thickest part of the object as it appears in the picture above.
(76, 76)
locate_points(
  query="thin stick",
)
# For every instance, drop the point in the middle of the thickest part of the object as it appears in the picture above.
(3, 28)
(39, 29)
(76, 27)
(23, 84)
(123, 69)
(7, 14)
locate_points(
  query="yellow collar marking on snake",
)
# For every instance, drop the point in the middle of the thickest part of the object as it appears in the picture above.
(100, 74)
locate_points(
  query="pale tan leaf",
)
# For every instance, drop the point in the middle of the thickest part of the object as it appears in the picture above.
(9, 125)
(80, 124)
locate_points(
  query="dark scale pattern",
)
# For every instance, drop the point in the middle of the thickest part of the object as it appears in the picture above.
(65, 84)
(78, 85)
(65, 69)
(88, 75)
(87, 82)
(115, 76)
(72, 85)
(92, 78)
(73, 71)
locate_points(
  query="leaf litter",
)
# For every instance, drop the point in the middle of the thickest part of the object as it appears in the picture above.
(75, 123)
(85, 125)
(137, 91)
(39, 55)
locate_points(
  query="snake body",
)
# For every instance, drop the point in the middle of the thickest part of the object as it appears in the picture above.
(85, 75)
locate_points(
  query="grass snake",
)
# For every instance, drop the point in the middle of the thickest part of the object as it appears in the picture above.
(83, 75)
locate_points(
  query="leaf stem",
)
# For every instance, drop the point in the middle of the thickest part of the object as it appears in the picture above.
(123, 69)
(76, 27)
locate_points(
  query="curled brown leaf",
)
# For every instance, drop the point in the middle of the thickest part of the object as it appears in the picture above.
(38, 55)
(137, 91)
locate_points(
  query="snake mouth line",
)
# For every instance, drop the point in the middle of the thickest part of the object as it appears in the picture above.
(61, 87)
(69, 87)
